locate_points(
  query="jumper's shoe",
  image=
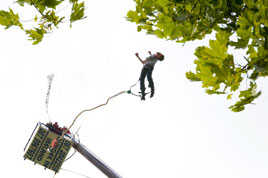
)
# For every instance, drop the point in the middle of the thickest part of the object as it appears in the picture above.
(142, 95)
(152, 94)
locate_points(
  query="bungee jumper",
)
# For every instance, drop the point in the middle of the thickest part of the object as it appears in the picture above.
(147, 70)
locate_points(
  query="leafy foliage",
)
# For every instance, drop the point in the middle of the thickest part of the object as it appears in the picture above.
(188, 20)
(78, 12)
(36, 35)
(48, 20)
(8, 19)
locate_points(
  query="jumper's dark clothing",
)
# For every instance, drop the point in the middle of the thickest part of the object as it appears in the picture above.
(147, 71)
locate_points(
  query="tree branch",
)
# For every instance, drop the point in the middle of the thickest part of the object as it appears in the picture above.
(38, 9)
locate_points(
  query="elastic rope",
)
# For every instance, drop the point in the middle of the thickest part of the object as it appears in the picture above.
(134, 85)
(129, 91)
(87, 110)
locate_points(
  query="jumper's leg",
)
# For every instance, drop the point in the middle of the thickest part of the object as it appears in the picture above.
(142, 85)
(151, 82)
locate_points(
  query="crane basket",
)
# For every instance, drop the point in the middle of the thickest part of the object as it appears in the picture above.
(38, 149)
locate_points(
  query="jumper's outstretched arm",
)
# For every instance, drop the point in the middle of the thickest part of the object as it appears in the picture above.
(137, 55)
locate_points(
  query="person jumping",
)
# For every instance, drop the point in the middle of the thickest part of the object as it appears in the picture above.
(148, 66)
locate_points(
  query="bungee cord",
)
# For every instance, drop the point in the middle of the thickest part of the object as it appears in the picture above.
(96, 107)
(91, 109)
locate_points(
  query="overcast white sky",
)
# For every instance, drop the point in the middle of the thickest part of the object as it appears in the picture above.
(180, 133)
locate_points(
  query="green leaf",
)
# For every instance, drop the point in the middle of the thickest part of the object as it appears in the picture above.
(51, 3)
(133, 16)
(9, 19)
(73, 1)
(163, 4)
(159, 33)
(229, 96)
(246, 97)
(147, 4)
(218, 46)
(241, 43)
(166, 25)
(192, 76)
(210, 92)
(22, 2)
(78, 12)
(35, 35)
(42, 5)
(35, 18)
(213, 62)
